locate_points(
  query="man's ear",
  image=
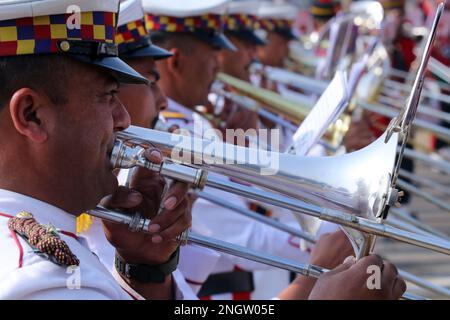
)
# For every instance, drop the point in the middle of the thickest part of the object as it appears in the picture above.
(175, 62)
(27, 111)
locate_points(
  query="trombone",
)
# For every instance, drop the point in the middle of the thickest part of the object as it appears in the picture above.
(251, 105)
(291, 109)
(256, 106)
(315, 86)
(131, 156)
(318, 86)
(130, 144)
(405, 88)
(434, 66)
(404, 225)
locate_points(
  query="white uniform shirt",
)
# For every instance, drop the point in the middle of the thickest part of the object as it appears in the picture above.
(99, 245)
(26, 275)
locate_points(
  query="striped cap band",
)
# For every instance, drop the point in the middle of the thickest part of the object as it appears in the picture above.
(273, 24)
(325, 9)
(235, 22)
(322, 12)
(393, 4)
(131, 32)
(40, 35)
(189, 24)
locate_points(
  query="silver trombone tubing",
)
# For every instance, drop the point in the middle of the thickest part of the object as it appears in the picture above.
(405, 217)
(255, 106)
(318, 86)
(140, 224)
(442, 165)
(299, 207)
(200, 179)
(292, 231)
(439, 69)
(434, 66)
(310, 238)
(426, 196)
(258, 217)
(389, 112)
(395, 85)
(426, 182)
(187, 174)
(397, 223)
(399, 73)
(348, 193)
(423, 110)
(290, 78)
(424, 283)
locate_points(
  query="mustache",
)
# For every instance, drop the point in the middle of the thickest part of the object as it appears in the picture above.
(154, 122)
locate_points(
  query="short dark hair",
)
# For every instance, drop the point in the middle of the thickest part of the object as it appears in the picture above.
(46, 73)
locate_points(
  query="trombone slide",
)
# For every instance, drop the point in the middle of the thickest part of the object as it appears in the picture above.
(140, 224)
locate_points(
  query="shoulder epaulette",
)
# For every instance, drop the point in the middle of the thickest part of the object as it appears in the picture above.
(44, 240)
(174, 116)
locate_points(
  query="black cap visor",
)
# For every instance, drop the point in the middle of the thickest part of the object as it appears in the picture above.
(118, 68)
(286, 33)
(248, 36)
(143, 48)
(217, 40)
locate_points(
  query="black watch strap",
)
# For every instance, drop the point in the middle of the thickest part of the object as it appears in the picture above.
(147, 274)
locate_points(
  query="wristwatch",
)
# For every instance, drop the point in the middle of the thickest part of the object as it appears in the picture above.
(144, 273)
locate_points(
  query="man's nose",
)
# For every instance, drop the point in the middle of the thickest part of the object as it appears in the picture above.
(215, 64)
(121, 117)
(252, 52)
(161, 99)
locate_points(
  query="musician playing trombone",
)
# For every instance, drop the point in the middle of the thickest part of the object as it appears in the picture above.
(55, 161)
(144, 103)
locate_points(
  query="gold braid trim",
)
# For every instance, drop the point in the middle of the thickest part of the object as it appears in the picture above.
(84, 222)
(43, 239)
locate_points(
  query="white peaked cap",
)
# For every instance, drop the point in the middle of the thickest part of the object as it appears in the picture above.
(130, 11)
(185, 8)
(270, 10)
(15, 9)
(373, 8)
(248, 7)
